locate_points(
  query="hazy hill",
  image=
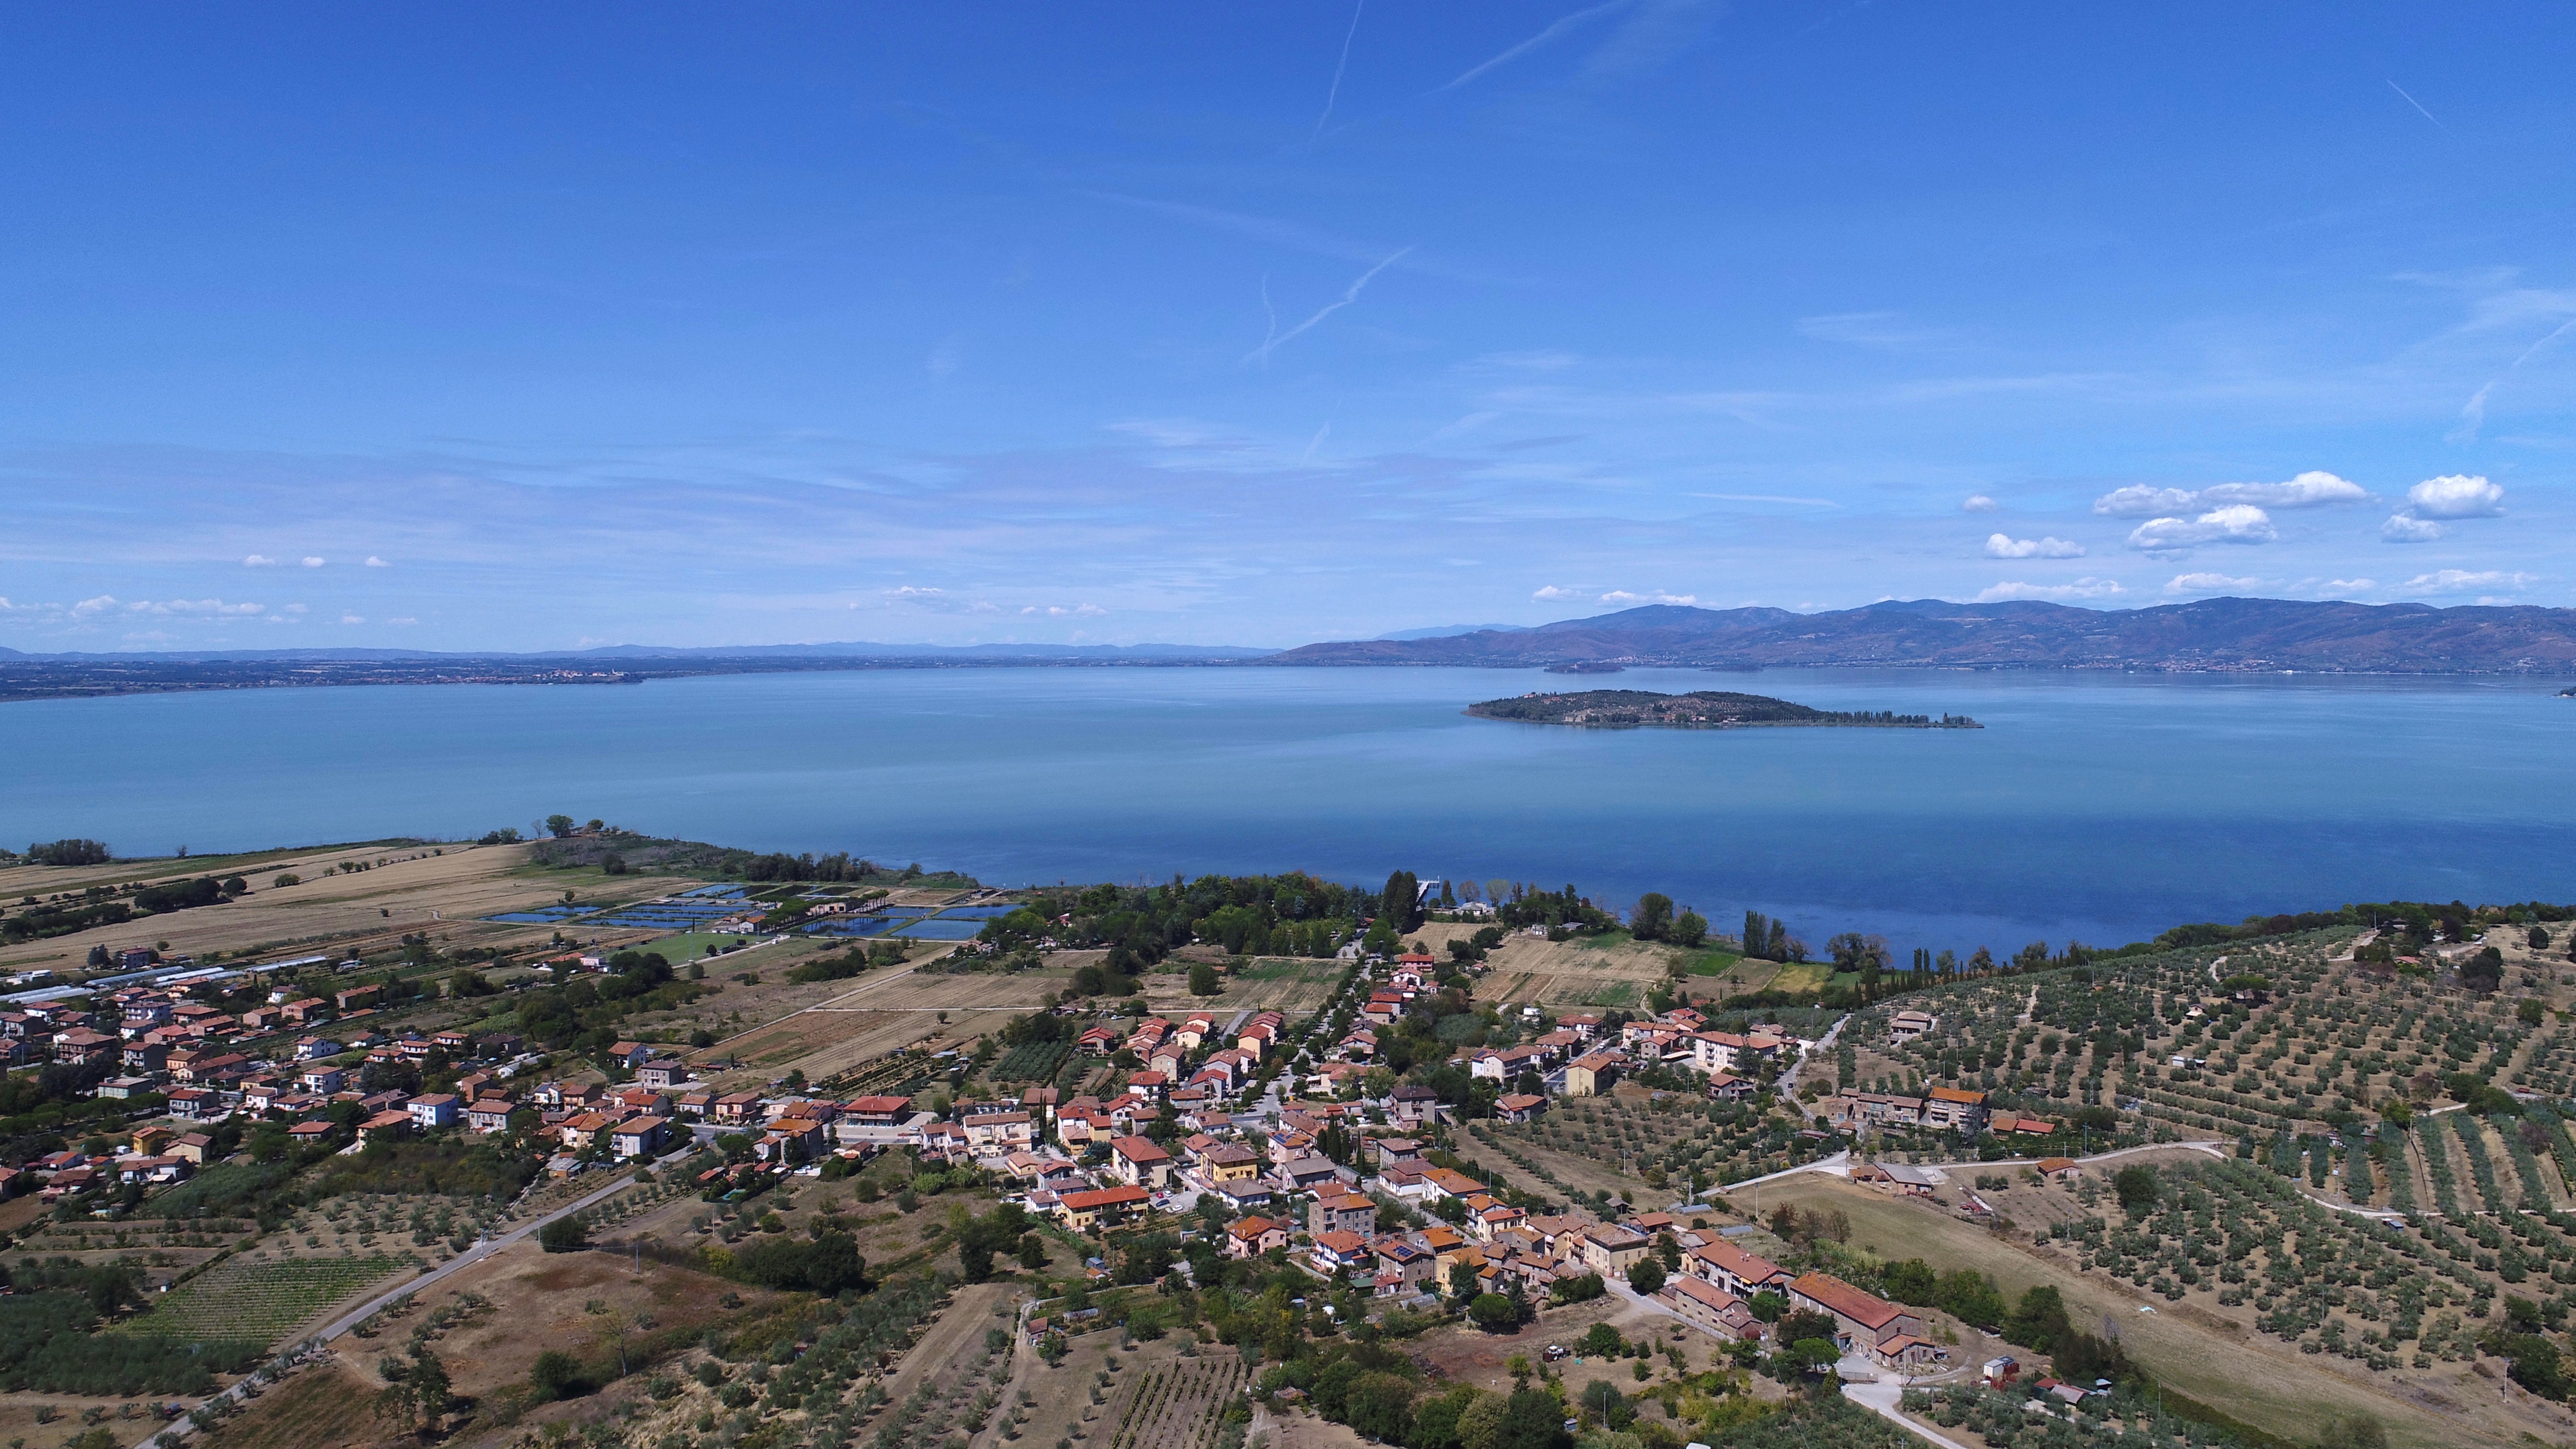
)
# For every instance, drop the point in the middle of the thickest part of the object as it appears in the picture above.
(2205, 634)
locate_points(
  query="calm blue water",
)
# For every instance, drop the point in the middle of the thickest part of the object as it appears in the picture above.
(2101, 808)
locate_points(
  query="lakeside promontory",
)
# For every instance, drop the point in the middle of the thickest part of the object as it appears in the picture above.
(1704, 709)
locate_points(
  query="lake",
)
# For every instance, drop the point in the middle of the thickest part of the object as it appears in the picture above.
(2095, 807)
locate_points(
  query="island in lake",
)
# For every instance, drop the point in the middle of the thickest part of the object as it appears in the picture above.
(1703, 709)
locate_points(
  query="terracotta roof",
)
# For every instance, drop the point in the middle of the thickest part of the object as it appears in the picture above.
(1139, 1150)
(1861, 1308)
(1083, 1202)
(1731, 1259)
(1685, 1286)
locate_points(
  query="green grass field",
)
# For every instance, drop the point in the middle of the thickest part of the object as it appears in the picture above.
(1290, 968)
(1613, 993)
(1802, 976)
(1713, 963)
(264, 1301)
(690, 946)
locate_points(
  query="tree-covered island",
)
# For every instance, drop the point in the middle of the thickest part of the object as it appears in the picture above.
(1701, 709)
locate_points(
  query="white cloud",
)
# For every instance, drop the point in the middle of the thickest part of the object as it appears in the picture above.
(2138, 500)
(259, 561)
(351, 619)
(2312, 489)
(2455, 496)
(2351, 586)
(2087, 588)
(1552, 592)
(2401, 529)
(2002, 545)
(312, 561)
(2462, 581)
(1978, 503)
(2236, 523)
(293, 609)
(194, 606)
(92, 606)
(374, 562)
(2209, 584)
(405, 620)
(1622, 596)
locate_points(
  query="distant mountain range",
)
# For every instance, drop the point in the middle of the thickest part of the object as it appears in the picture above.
(616, 652)
(2208, 634)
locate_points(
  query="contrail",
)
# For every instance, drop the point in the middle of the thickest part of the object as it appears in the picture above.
(2419, 107)
(1338, 67)
(1534, 42)
(1273, 344)
(2529, 352)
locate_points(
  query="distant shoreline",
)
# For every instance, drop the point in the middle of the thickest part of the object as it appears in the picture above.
(41, 679)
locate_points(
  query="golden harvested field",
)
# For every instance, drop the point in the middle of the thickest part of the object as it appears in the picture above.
(1290, 984)
(1576, 973)
(439, 891)
(2201, 1352)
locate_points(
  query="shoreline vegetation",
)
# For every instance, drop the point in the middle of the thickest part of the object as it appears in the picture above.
(1701, 709)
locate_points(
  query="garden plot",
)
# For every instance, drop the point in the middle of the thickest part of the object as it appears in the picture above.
(1583, 1145)
(266, 1301)
(1180, 1404)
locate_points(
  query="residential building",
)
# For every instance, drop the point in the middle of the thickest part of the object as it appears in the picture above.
(1083, 1211)
(662, 1073)
(1738, 1272)
(1138, 1162)
(1230, 1162)
(432, 1111)
(384, 1125)
(1864, 1320)
(1954, 1108)
(1591, 1075)
(1336, 1252)
(1609, 1248)
(1709, 1307)
(1333, 1212)
(1413, 1105)
(638, 1136)
(1252, 1235)
(994, 1132)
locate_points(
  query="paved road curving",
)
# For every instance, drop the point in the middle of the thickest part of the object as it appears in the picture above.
(173, 1433)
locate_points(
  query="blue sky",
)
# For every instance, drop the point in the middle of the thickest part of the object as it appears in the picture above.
(474, 328)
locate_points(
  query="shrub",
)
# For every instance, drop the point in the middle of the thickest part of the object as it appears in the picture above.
(558, 1375)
